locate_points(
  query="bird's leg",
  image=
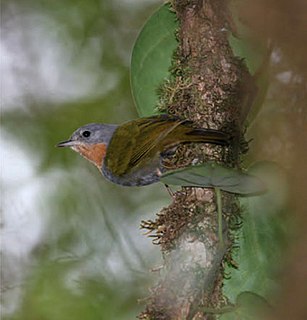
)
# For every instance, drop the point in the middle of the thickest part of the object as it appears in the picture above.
(169, 190)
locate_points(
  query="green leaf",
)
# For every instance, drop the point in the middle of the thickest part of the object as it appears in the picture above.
(212, 175)
(249, 306)
(151, 58)
(275, 179)
(262, 239)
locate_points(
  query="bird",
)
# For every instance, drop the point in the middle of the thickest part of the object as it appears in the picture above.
(132, 153)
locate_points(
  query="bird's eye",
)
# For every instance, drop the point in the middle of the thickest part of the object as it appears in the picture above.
(86, 134)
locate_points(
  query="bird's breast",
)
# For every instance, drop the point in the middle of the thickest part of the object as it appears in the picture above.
(94, 153)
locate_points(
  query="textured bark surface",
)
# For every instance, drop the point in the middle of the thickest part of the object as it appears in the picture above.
(211, 87)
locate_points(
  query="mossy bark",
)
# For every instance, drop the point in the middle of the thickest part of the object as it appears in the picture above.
(211, 87)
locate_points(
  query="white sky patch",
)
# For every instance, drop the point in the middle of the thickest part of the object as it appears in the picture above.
(22, 222)
(22, 225)
(39, 60)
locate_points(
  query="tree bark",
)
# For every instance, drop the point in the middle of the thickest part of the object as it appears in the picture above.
(210, 87)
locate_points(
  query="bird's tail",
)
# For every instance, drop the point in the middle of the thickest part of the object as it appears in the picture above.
(208, 136)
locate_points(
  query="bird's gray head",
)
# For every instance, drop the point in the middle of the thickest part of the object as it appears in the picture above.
(92, 133)
(91, 141)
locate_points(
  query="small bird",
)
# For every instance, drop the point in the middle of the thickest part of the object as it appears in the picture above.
(131, 154)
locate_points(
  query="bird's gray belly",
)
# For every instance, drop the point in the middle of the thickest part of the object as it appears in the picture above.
(137, 177)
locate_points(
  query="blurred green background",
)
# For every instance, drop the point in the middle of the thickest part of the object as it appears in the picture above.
(72, 248)
(71, 244)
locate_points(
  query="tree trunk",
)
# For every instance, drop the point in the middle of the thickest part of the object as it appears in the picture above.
(211, 87)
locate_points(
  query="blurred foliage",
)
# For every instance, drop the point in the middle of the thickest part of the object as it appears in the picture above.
(74, 253)
(72, 249)
(260, 245)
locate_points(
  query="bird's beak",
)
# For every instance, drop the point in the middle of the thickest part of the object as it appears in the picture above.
(68, 143)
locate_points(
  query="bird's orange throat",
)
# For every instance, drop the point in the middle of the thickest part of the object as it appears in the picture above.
(95, 153)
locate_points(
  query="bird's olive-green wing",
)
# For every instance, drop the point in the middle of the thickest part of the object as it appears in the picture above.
(157, 129)
(136, 141)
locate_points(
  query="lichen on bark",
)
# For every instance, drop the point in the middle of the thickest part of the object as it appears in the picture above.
(209, 86)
